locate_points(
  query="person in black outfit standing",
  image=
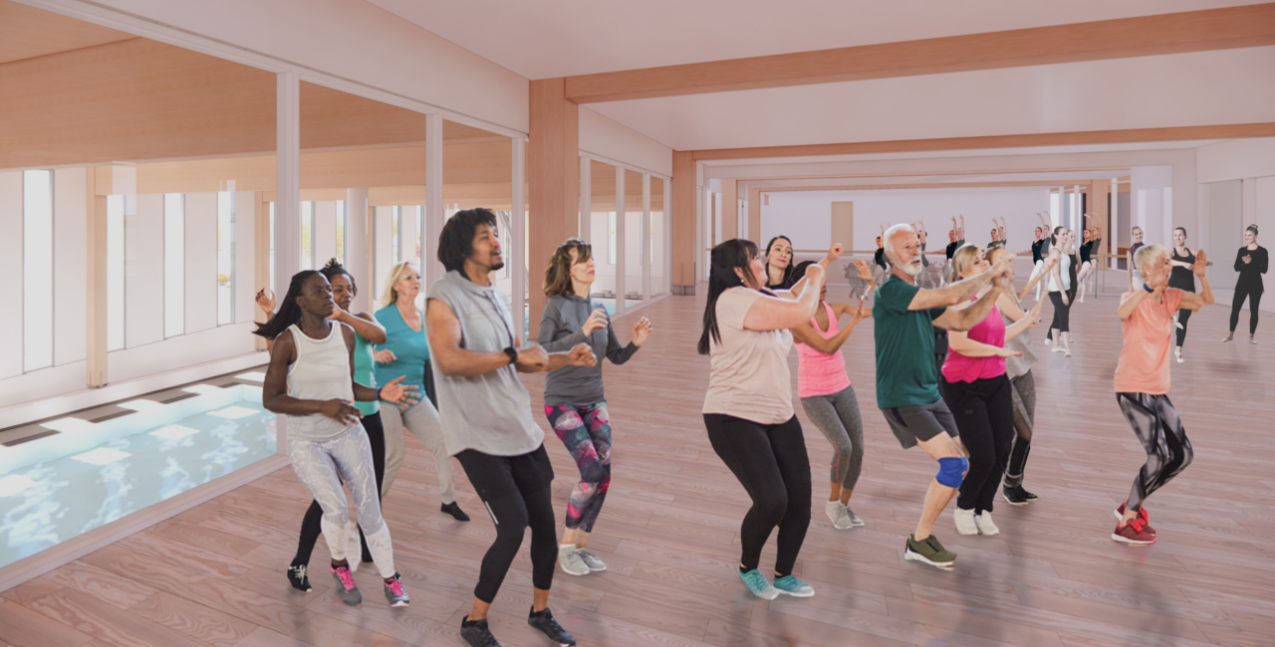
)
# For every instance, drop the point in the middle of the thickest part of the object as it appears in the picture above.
(1250, 261)
(1182, 278)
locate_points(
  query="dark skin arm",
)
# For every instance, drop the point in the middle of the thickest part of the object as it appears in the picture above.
(274, 390)
(444, 332)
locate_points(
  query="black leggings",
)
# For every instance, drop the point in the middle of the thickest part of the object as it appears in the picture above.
(517, 494)
(771, 463)
(1184, 316)
(984, 412)
(312, 526)
(1062, 314)
(1254, 298)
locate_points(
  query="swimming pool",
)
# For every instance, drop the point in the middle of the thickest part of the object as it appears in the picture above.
(90, 474)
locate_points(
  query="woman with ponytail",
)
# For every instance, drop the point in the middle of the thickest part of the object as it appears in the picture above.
(748, 407)
(574, 399)
(311, 380)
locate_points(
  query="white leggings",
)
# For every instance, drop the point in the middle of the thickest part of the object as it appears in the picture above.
(1039, 267)
(322, 466)
(422, 420)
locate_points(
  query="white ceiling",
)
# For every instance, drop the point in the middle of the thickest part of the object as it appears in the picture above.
(1202, 88)
(550, 38)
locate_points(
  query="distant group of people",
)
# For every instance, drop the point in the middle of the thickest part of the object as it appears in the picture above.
(953, 376)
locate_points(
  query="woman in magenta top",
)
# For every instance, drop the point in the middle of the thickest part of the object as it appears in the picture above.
(829, 399)
(977, 391)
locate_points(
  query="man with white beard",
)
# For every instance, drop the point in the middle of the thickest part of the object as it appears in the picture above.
(907, 379)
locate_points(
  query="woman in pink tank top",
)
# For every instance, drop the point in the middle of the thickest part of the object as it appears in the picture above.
(829, 399)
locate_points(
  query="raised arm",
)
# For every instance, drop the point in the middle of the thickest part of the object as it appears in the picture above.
(1031, 284)
(770, 313)
(959, 292)
(806, 333)
(362, 323)
(834, 252)
(960, 342)
(1024, 323)
(962, 318)
(1191, 300)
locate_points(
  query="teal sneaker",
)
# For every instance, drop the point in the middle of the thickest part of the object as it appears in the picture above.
(789, 585)
(758, 585)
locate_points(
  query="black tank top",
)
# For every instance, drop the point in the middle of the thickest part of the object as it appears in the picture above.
(1182, 278)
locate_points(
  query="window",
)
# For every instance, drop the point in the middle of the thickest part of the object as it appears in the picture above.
(272, 239)
(174, 264)
(340, 231)
(307, 235)
(225, 257)
(115, 206)
(396, 236)
(611, 238)
(37, 270)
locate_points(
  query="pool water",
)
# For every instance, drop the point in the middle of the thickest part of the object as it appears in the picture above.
(59, 487)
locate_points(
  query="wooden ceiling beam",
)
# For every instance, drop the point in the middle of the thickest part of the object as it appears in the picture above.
(1085, 137)
(1192, 31)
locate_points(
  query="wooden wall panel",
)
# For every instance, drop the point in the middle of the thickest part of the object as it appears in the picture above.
(1227, 28)
(684, 220)
(553, 174)
(11, 216)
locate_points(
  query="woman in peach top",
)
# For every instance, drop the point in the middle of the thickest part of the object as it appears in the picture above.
(1142, 382)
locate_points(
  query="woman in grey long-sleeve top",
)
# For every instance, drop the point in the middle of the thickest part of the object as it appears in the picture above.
(574, 400)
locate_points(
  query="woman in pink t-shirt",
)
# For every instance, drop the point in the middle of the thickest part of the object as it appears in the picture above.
(828, 398)
(979, 394)
(1142, 381)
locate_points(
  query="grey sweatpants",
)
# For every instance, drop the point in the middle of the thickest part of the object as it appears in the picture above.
(322, 466)
(837, 416)
(422, 420)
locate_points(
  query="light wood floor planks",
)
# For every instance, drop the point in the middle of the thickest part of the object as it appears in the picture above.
(214, 575)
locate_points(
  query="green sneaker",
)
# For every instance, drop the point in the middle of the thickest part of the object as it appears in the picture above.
(758, 585)
(789, 585)
(931, 552)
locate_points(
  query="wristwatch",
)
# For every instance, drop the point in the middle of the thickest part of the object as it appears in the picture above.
(512, 353)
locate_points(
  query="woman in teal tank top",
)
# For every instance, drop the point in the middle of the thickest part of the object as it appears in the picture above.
(405, 353)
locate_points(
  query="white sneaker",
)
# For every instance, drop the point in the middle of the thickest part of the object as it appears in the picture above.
(571, 562)
(854, 518)
(591, 561)
(984, 523)
(965, 522)
(837, 513)
(1179, 356)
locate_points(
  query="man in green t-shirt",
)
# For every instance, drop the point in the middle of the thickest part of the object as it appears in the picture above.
(907, 379)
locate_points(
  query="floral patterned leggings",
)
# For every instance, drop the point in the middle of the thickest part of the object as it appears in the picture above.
(586, 431)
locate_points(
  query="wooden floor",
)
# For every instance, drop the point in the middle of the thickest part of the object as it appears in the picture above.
(215, 574)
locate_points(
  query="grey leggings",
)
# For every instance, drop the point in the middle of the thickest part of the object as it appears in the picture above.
(422, 420)
(322, 466)
(837, 416)
(1024, 392)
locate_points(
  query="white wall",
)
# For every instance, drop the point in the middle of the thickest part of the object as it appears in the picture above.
(201, 261)
(144, 272)
(70, 268)
(11, 266)
(1252, 162)
(1235, 159)
(349, 40)
(806, 217)
(601, 135)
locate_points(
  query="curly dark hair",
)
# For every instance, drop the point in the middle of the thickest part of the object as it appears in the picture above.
(456, 241)
(333, 268)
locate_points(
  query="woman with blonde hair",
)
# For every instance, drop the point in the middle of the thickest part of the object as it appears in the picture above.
(575, 402)
(405, 354)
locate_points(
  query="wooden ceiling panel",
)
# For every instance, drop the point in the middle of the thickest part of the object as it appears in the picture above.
(27, 32)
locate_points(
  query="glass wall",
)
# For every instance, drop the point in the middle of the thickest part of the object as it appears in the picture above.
(602, 231)
(634, 261)
(658, 258)
(630, 245)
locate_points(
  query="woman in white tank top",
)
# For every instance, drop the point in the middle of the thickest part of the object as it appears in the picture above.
(1059, 285)
(311, 381)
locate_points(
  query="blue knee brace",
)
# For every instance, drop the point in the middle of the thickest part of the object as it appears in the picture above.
(952, 471)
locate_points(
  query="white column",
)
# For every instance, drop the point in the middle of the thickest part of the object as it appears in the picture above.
(288, 200)
(646, 237)
(1113, 233)
(620, 288)
(667, 288)
(356, 246)
(586, 199)
(518, 222)
(432, 269)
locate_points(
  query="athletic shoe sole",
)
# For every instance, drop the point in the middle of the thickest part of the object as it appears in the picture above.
(915, 556)
(1131, 542)
(805, 594)
(1014, 503)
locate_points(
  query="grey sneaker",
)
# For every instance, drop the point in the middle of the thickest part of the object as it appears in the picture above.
(854, 518)
(839, 514)
(543, 620)
(590, 560)
(345, 587)
(571, 562)
(394, 593)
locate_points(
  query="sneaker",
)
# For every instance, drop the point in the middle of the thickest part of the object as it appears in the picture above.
(839, 515)
(345, 587)
(394, 593)
(297, 576)
(758, 585)
(930, 551)
(543, 620)
(1142, 513)
(1016, 495)
(1252, 339)
(965, 521)
(789, 585)
(1134, 533)
(854, 518)
(985, 526)
(571, 562)
(454, 510)
(477, 634)
(590, 560)
(1178, 355)
(1228, 338)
